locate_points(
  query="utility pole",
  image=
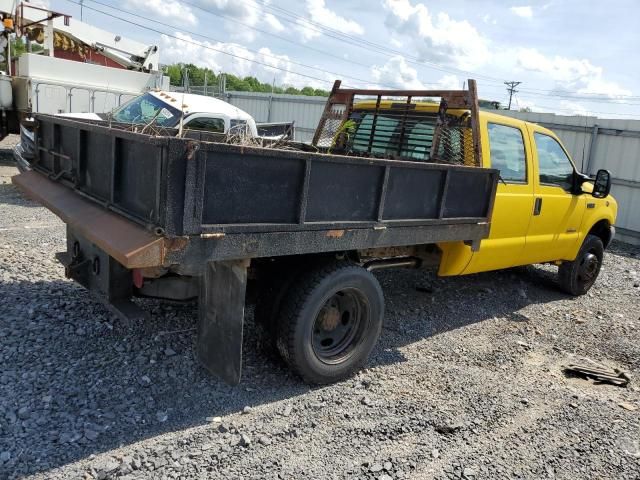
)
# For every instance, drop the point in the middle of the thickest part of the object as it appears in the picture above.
(511, 88)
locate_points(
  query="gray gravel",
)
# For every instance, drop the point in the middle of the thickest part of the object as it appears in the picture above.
(466, 382)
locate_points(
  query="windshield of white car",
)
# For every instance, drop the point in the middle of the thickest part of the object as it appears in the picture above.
(147, 109)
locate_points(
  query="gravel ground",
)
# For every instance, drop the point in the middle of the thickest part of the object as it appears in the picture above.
(466, 382)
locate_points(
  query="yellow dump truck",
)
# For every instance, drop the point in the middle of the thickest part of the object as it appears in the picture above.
(392, 179)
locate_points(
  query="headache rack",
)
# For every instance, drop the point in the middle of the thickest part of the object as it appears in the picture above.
(399, 124)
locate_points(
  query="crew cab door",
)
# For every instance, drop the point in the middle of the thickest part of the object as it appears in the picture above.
(507, 148)
(554, 231)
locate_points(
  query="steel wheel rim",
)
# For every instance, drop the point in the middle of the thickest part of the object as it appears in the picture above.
(339, 325)
(588, 269)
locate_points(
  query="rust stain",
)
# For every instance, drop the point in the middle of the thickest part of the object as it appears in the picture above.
(335, 233)
(128, 243)
(175, 244)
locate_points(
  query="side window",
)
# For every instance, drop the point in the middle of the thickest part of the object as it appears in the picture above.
(507, 152)
(208, 124)
(554, 164)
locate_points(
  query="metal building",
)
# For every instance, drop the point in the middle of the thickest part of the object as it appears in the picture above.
(265, 107)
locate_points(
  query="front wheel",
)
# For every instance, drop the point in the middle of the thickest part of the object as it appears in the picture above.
(330, 322)
(578, 276)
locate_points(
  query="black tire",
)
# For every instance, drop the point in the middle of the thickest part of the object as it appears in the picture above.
(330, 321)
(274, 287)
(578, 276)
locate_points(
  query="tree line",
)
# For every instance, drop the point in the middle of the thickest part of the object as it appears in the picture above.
(197, 76)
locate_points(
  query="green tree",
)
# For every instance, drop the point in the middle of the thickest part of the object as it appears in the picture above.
(174, 72)
(234, 83)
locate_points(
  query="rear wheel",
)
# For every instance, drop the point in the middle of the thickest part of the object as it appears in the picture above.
(578, 276)
(330, 321)
(274, 288)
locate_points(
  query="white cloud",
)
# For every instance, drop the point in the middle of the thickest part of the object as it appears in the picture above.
(209, 54)
(568, 107)
(488, 19)
(273, 23)
(558, 68)
(571, 74)
(397, 73)
(165, 8)
(249, 13)
(524, 11)
(449, 82)
(39, 3)
(320, 14)
(598, 85)
(396, 42)
(437, 38)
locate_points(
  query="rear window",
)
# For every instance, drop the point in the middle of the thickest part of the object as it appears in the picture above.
(383, 132)
(394, 135)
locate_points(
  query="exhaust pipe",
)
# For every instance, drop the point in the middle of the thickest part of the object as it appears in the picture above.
(392, 263)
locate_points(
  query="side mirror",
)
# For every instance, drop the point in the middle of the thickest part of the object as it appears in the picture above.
(602, 184)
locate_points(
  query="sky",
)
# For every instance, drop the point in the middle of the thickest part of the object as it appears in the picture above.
(572, 57)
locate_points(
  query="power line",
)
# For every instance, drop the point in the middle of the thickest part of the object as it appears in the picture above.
(375, 48)
(241, 57)
(320, 28)
(358, 42)
(550, 109)
(245, 48)
(207, 47)
(317, 50)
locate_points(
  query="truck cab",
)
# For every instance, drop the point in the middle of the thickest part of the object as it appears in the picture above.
(170, 110)
(545, 210)
(166, 109)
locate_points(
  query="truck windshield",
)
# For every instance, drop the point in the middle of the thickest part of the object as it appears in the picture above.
(146, 109)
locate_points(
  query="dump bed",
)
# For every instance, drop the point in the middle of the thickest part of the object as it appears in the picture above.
(263, 200)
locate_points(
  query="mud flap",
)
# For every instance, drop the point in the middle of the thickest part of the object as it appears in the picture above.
(220, 318)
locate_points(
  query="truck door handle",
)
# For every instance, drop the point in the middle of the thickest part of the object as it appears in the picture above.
(537, 207)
